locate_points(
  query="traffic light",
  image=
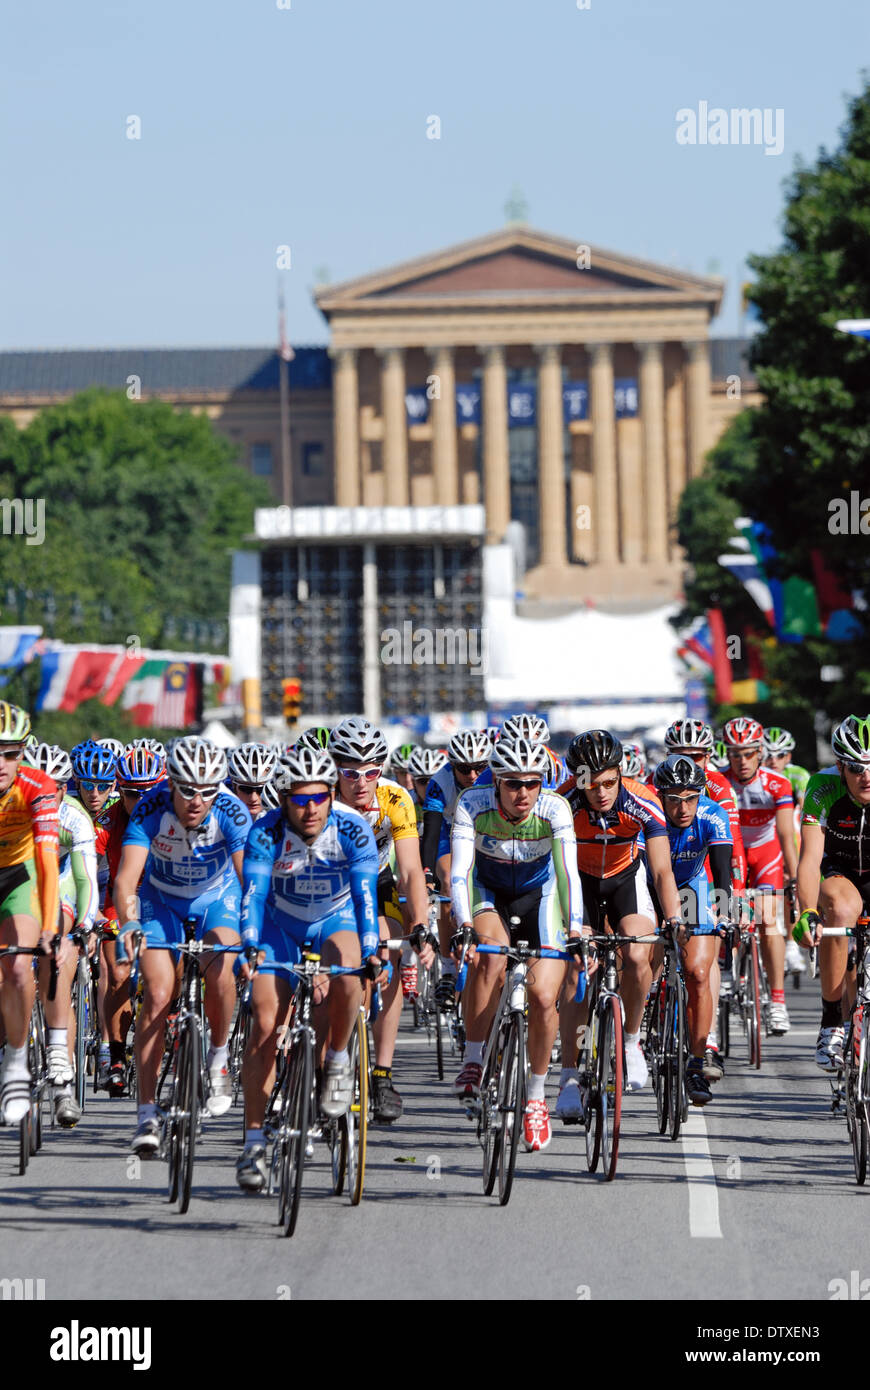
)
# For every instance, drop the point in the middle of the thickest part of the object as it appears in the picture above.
(291, 690)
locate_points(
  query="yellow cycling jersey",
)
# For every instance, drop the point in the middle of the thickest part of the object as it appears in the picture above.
(391, 817)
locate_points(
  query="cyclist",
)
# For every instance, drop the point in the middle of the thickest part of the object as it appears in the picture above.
(250, 767)
(310, 875)
(697, 828)
(610, 815)
(694, 739)
(834, 873)
(187, 836)
(78, 902)
(513, 855)
(467, 761)
(138, 771)
(316, 737)
(398, 768)
(778, 748)
(634, 762)
(766, 807)
(29, 898)
(360, 752)
(93, 772)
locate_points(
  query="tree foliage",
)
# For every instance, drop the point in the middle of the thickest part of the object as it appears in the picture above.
(808, 444)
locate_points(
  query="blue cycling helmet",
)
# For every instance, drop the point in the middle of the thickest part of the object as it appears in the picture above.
(90, 759)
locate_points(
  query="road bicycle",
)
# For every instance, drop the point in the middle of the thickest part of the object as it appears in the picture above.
(601, 1061)
(292, 1122)
(744, 996)
(852, 1088)
(666, 1045)
(30, 1126)
(183, 1087)
(503, 1083)
(84, 1005)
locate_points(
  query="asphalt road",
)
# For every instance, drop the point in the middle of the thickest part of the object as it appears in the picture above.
(756, 1201)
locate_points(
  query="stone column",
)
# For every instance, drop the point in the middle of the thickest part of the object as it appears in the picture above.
(604, 520)
(496, 451)
(675, 416)
(445, 461)
(345, 406)
(652, 415)
(395, 427)
(698, 393)
(551, 464)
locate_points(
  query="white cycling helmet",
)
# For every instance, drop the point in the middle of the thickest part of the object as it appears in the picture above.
(253, 763)
(469, 746)
(689, 733)
(850, 740)
(777, 741)
(358, 739)
(304, 765)
(632, 764)
(425, 762)
(270, 798)
(519, 755)
(114, 745)
(49, 758)
(193, 760)
(527, 726)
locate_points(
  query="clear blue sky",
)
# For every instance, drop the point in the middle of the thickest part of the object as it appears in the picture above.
(307, 126)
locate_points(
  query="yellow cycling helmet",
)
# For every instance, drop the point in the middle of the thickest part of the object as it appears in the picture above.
(14, 723)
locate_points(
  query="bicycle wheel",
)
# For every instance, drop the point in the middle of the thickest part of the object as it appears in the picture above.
(24, 1143)
(723, 1025)
(188, 1107)
(81, 1008)
(676, 1038)
(488, 1127)
(358, 1116)
(752, 1003)
(611, 1062)
(587, 1068)
(856, 1104)
(511, 1089)
(662, 1068)
(294, 1131)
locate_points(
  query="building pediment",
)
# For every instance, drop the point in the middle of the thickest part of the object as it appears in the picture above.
(517, 265)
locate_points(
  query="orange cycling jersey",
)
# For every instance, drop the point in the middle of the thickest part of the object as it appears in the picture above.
(29, 830)
(607, 841)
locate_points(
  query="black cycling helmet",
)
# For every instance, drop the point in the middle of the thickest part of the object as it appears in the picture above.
(597, 750)
(679, 774)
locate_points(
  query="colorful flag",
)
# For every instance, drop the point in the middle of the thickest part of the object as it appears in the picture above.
(71, 675)
(124, 665)
(745, 562)
(721, 663)
(143, 691)
(18, 646)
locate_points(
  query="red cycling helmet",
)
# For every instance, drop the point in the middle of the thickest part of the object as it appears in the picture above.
(743, 733)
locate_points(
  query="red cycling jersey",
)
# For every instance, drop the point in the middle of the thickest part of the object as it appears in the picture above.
(110, 828)
(719, 789)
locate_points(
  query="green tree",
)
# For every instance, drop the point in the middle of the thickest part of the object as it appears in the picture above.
(143, 504)
(808, 443)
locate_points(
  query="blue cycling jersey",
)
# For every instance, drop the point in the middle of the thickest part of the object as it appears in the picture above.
(183, 862)
(290, 880)
(689, 847)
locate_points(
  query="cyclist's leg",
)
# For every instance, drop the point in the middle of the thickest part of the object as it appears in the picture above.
(19, 926)
(765, 875)
(341, 946)
(270, 1001)
(386, 1026)
(484, 981)
(698, 957)
(574, 1016)
(840, 904)
(160, 923)
(545, 978)
(218, 913)
(57, 1010)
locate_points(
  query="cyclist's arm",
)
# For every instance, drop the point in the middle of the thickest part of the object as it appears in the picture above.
(258, 857)
(238, 858)
(45, 855)
(83, 867)
(658, 858)
(785, 833)
(810, 866)
(364, 892)
(567, 873)
(719, 856)
(125, 895)
(430, 837)
(461, 864)
(412, 884)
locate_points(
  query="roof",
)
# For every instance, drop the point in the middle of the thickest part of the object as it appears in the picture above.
(161, 370)
(518, 263)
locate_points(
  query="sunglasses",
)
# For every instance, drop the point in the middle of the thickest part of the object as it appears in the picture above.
(599, 786)
(248, 788)
(87, 784)
(301, 799)
(465, 768)
(132, 791)
(516, 784)
(676, 800)
(735, 753)
(187, 793)
(11, 754)
(856, 768)
(353, 774)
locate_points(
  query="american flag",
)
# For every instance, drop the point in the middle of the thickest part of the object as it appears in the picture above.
(170, 707)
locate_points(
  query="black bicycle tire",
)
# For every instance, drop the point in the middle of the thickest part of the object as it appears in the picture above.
(511, 1105)
(358, 1115)
(489, 1130)
(676, 1059)
(610, 1090)
(663, 1093)
(296, 1119)
(81, 1005)
(856, 1109)
(754, 973)
(24, 1142)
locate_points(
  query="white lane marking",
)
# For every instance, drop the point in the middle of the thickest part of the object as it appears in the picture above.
(703, 1195)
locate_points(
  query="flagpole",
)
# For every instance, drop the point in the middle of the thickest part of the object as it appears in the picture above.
(285, 355)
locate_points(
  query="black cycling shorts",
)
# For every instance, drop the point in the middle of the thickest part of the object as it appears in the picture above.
(623, 895)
